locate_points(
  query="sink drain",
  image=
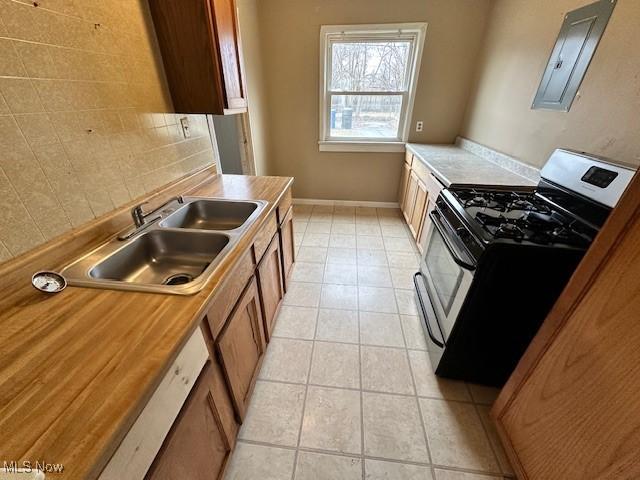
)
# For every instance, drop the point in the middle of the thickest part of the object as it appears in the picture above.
(178, 279)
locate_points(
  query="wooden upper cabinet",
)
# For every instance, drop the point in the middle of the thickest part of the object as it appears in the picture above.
(241, 346)
(200, 49)
(270, 283)
(287, 246)
(197, 447)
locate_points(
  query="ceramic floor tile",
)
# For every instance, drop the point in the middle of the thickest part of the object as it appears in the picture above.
(453, 475)
(368, 256)
(366, 211)
(377, 299)
(323, 209)
(297, 239)
(312, 254)
(482, 394)
(341, 274)
(344, 218)
(380, 329)
(250, 462)
(399, 244)
(296, 322)
(274, 414)
(343, 228)
(287, 360)
(307, 272)
(337, 325)
(403, 277)
(457, 424)
(302, 209)
(342, 241)
(394, 230)
(503, 461)
(339, 296)
(381, 470)
(368, 229)
(367, 220)
(344, 210)
(342, 256)
(386, 370)
(332, 420)
(318, 227)
(303, 294)
(321, 217)
(374, 276)
(406, 302)
(389, 212)
(429, 385)
(392, 428)
(335, 365)
(321, 466)
(300, 226)
(315, 240)
(414, 335)
(403, 259)
(370, 242)
(399, 221)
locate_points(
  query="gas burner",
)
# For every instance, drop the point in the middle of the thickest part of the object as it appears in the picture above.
(509, 230)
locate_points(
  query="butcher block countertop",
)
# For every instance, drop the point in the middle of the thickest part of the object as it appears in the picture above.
(77, 368)
(455, 166)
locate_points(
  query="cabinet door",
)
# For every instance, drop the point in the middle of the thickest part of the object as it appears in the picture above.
(270, 284)
(426, 222)
(228, 43)
(287, 246)
(418, 209)
(410, 197)
(404, 182)
(240, 347)
(198, 41)
(196, 447)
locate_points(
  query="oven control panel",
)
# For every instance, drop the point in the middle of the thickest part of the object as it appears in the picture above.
(600, 177)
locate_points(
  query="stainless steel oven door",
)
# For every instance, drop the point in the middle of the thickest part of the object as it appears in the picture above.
(447, 271)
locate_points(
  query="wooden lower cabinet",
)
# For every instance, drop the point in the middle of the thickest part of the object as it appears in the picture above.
(287, 247)
(270, 284)
(419, 208)
(404, 183)
(240, 347)
(197, 447)
(410, 197)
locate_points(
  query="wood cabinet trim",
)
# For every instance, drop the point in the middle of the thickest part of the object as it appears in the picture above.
(271, 284)
(287, 247)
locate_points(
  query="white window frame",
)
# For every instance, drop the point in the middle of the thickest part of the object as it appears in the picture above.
(415, 33)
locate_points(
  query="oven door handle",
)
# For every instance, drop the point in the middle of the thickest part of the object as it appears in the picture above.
(453, 250)
(439, 343)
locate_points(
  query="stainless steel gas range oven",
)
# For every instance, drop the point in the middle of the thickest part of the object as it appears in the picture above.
(495, 261)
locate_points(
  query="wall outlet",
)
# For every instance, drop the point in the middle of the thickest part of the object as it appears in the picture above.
(184, 123)
(419, 125)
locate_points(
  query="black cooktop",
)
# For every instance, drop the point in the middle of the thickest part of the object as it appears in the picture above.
(522, 216)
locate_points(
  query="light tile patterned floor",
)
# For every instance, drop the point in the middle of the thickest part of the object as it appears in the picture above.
(346, 390)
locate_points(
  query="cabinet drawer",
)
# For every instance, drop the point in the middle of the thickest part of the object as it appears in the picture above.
(137, 451)
(283, 208)
(264, 236)
(226, 298)
(421, 171)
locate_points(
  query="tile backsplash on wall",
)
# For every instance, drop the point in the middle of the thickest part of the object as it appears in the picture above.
(86, 122)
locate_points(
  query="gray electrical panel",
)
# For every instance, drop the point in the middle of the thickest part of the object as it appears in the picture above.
(571, 55)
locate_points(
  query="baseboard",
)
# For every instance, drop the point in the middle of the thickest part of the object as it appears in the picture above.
(345, 203)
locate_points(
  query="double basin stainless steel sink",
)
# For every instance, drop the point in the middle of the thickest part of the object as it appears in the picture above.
(177, 252)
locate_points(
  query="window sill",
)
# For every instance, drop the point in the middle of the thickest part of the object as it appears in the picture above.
(351, 146)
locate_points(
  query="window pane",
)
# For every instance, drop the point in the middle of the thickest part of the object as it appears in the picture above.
(365, 116)
(369, 66)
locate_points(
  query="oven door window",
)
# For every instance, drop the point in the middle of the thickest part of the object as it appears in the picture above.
(445, 273)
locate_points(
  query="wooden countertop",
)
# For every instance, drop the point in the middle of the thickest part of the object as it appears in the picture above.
(455, 166)
(76, 368)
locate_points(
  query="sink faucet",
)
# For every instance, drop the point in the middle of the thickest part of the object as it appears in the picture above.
(140, 217)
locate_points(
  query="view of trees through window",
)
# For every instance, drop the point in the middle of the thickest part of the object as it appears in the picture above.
(378, 69)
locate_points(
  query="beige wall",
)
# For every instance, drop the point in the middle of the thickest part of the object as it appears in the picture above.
(289, 33)
(603, 119)
(85, 121)
(255, 83)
